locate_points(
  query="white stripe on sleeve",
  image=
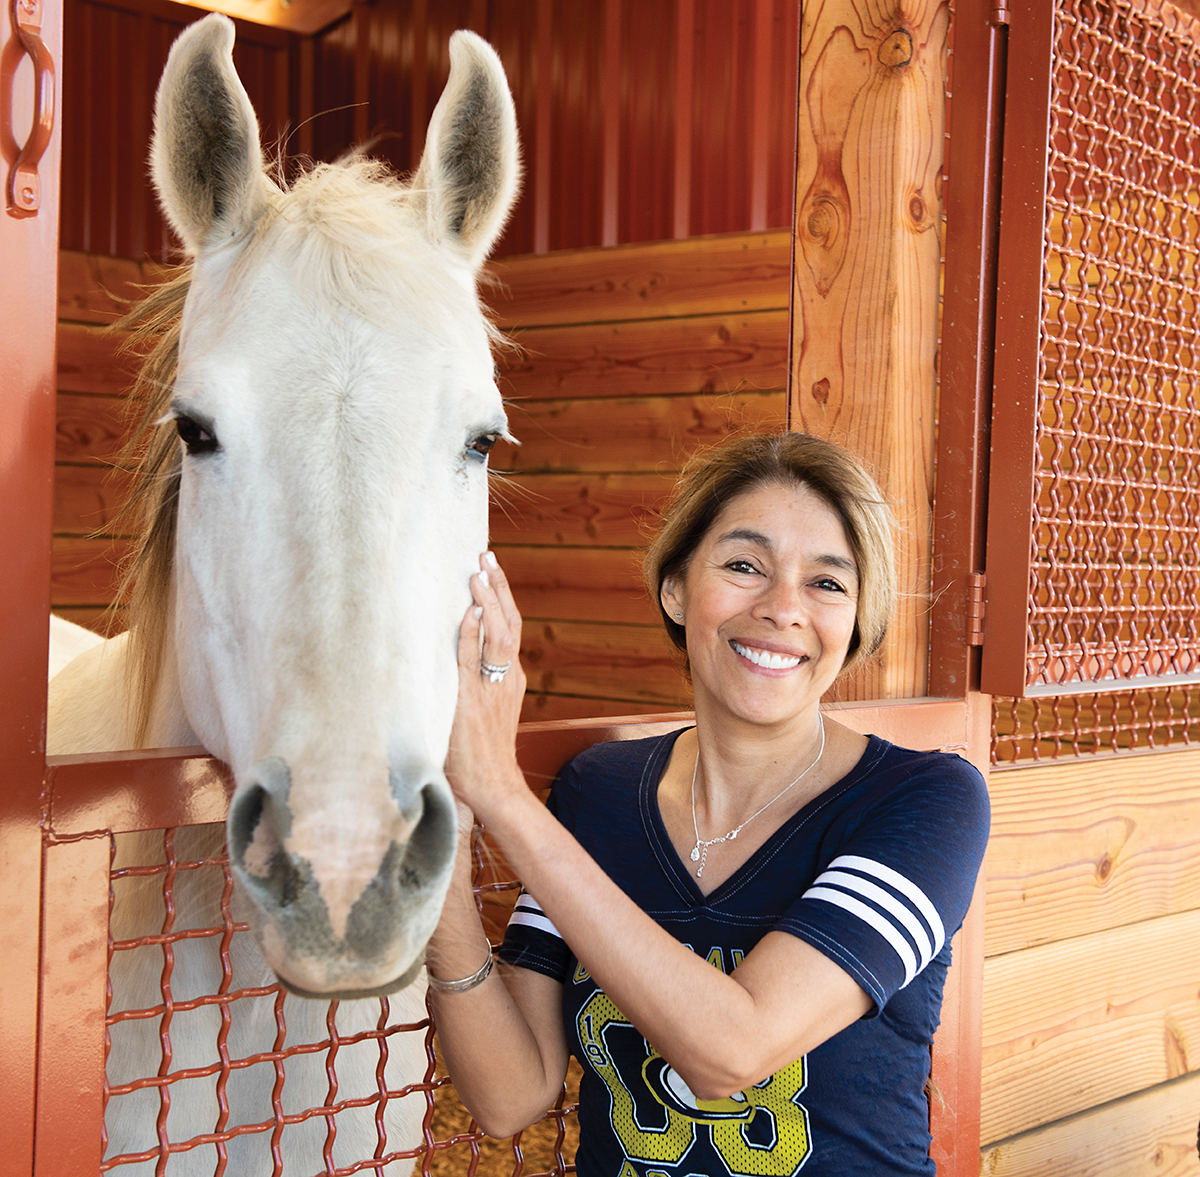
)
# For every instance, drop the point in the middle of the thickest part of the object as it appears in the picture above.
(905, 886)
(870, 916)
(529, 912)
(889, 914)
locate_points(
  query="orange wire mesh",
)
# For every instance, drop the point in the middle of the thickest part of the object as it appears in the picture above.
(450, 1143)
(1116, 518)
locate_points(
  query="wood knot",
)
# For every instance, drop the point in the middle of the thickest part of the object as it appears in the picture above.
(897, 49)
(916, 210)
(1104, 868)
(820, 391)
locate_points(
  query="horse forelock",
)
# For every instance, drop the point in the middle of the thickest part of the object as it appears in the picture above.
(356, 237)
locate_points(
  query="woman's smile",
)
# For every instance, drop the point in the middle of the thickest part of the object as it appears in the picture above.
(765, 658)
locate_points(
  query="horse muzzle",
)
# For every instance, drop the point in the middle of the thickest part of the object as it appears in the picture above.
(343, 897)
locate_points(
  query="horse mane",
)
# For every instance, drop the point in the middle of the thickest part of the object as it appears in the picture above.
(360, 231)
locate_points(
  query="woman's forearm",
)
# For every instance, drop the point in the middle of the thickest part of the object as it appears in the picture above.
(507, 1071)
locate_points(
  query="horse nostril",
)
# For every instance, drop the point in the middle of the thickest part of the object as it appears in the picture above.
(290, 883)
(244, 816)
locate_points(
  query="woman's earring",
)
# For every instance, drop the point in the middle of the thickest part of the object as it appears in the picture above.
(678, 616)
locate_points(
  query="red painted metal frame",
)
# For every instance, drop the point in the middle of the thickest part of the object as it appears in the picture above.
(1018, 342)
(28, 298)
(974, 135)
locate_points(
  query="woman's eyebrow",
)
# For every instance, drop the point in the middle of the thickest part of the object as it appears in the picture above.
(749, 535)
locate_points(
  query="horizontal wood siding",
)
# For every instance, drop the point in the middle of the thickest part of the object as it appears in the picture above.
(630, 359)
(1092, 977)
(626, 361)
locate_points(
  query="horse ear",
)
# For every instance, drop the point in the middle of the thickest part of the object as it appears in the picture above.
(205, 158)
(471, 169)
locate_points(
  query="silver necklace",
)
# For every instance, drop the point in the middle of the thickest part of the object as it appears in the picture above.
(700, 850)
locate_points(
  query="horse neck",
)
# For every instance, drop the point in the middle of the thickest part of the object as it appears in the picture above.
(89, 704)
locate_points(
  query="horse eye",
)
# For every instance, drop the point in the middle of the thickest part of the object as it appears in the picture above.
(193, 435)
(482, 445)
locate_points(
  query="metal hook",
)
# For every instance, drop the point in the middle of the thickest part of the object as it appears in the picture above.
(24, 185)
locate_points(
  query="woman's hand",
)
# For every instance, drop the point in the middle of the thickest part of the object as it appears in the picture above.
(482, 762)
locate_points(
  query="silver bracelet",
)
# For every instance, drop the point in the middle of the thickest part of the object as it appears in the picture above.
(467, 983)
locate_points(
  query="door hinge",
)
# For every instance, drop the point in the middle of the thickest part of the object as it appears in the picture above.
(976, 605)
(999, 12)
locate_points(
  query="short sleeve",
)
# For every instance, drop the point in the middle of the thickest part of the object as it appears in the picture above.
(531, 941)
(897, 887)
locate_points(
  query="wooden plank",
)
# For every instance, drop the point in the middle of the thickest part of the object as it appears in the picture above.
(696, 276)
(1152, 1134)
(608, 661)
(561, 584)
(1079, 846)
(89, 428)
(867, 274)
(93, 288)
(613, 510)
(644, 434)
(88, 361)
(1071, 1025)
(87, 498)
(538, 707)
(84, 571)
(715, 353)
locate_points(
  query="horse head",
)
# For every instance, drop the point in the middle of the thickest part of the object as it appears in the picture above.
(334, 401)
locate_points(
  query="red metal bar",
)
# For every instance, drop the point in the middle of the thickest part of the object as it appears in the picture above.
(542, 178)
(972, 168)
(28, 301)
(685, 56)
(1017, 355)
(610, 208)
(70, 1102)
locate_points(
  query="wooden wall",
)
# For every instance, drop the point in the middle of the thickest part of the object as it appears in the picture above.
(1091, 1025)
(632, 359)
(638, 121)
(628, 360)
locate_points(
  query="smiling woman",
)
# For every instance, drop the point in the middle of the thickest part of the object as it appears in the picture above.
(741, 930)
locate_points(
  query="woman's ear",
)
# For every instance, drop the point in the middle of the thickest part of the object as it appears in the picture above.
(671, 597)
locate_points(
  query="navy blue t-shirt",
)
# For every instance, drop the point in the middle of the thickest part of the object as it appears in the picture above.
(877, 872)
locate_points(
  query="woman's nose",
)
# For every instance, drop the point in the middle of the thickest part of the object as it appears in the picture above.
(782, 603)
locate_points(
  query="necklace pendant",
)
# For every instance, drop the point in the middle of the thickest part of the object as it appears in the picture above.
(696, 852)
(733, 835)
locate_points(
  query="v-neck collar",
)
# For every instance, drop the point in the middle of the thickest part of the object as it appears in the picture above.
(686, 886)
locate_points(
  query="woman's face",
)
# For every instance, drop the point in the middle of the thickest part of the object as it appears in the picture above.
(769, 602)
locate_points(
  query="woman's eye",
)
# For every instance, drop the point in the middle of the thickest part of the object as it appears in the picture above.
(193, 435)
(482, 445)
(831, 586)
(740, 566)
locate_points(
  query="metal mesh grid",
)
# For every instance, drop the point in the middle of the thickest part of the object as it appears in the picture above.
(1115, 585)
(1052, 727)
(442, 1138)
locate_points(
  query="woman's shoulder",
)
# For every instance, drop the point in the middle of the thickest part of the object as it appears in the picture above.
(890, 771)
(619, 761)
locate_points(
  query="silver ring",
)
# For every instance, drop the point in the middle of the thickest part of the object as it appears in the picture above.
(494, 673)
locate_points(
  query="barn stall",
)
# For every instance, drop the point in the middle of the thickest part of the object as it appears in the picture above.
(634, 352)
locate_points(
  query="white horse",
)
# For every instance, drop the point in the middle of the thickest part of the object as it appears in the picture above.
(315, 499)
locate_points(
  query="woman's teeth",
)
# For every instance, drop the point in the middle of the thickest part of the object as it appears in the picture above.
(766, 660)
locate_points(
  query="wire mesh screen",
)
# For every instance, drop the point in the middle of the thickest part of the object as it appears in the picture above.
(1050, 727)
(207, 1056)
(1115, 587)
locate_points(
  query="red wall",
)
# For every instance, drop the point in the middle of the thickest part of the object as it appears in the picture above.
(599, 87)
